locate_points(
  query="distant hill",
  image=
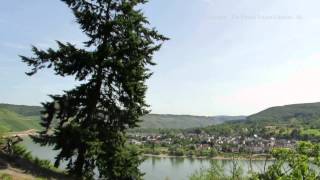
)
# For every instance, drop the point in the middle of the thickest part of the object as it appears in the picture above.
(163, 121)
(297, 113)
(21, 117)
(22, 109)
(296, 120)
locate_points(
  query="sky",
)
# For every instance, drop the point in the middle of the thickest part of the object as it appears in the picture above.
(224, 57)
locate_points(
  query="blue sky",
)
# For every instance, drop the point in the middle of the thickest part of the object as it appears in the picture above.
(224, 57)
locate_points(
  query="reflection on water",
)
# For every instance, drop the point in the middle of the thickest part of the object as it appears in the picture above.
(176, 161)
(160, 168)
(171, 168)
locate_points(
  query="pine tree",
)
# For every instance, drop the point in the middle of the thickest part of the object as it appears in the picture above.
(88, 124)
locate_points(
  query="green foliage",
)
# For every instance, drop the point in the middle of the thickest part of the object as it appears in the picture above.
(217, 172)
(303, 162)
(2, 139)
(210, 153)
(300, 163)
(310, 133)
(176, 151)
(22, 152)
(4, 176)
(3, 130)
(125, 162)
(88, 124)
(236, 171)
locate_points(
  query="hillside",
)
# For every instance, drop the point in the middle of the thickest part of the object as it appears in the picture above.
(301, 121)
(296, 113)
(22, 109)
(167, 121)
(20, 117)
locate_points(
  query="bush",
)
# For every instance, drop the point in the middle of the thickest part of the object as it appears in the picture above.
(216, 172)
(22, 152)
(6, 177)
(303, 162)
(174, 151)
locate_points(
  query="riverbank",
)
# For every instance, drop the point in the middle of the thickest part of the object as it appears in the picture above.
(167, 167)
(256, 157)
(22, 133)
(14, 167)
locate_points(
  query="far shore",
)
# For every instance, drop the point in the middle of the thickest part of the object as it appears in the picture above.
(256, 157)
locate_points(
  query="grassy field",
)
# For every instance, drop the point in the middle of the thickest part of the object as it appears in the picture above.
(311, 132)
(12, 121)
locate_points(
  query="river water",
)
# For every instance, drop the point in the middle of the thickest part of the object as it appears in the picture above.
(160, 168)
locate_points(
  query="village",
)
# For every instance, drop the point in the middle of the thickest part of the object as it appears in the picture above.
(221, 144)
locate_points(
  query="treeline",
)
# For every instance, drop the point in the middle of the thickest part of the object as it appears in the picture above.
(295, 128)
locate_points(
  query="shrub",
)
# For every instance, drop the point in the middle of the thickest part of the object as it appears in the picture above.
(22, 152)
(6, 177)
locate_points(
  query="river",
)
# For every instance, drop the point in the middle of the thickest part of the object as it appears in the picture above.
(159, 168)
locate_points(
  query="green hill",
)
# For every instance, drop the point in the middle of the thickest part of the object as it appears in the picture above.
(20, 117)
(168, 121)
(288, 114)
(22, 109)
(16, 122)
(300, 121)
